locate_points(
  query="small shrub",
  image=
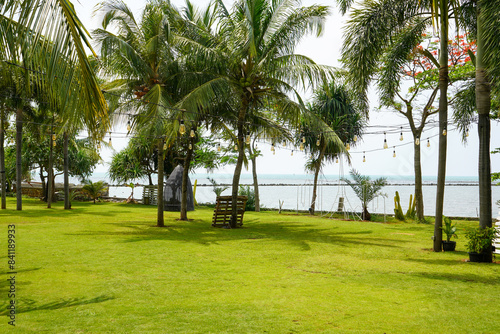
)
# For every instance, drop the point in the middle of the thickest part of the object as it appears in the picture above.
(250, 193)
(479, 239)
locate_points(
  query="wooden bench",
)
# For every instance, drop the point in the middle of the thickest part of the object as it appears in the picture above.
(223, 210)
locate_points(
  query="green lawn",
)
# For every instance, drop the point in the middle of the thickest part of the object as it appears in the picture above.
(106, 268)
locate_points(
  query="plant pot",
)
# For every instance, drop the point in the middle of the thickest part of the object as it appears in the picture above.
(477, 257)
(449, 246)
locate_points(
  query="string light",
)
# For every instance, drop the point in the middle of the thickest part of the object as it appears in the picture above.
(428, 143)
(385, 141)
(301, 147)
(192, 133)
(284, 143)
(364, 157)
(467, 133)
(128, 126)
(318, 142)
(248, 140)
(394, 152)
(218, 147)
(348, 146)
(291, 154)
(401, 137)
(337, 159)
(164, 146)
(444, 131)
(303, 139)
(190, 146)
(54, 143)
(417, 141)
(110, 144)
(355, 139)
(272, 147)
(182, 127)
(53, 136)
(236, 147)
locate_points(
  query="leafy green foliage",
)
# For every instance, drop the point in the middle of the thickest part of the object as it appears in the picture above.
(479, 239)
(216, 188)
(250, 193)
(449, 228)
(94, 189)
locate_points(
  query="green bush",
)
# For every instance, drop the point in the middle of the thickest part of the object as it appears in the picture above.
(250, 193)
(480, 239)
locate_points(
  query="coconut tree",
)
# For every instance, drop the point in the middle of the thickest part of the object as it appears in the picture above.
(334, 105)
(252, 64)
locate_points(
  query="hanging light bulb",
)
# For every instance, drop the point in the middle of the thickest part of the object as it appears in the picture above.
(364, 158)
(190, 146)
(355, 139)
(348, 146)
(247, 140)
(444, 131)
(417, 141)
(318, 142)
(394, 152)
(337, 159)
(385, 141)
(303, 139)
(192, 133)
(428, 143)
(401, 137)
(182, 127)
(128, 126)
(301, 147)
(54, 143)
(272, 147)
(218, 147)
(467, 133)
(292, 153)
(164, 146)
(53, 136)
(236, 147)
(284, 143)
(110, 144)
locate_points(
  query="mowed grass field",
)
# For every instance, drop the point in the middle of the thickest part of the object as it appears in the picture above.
(106, 268)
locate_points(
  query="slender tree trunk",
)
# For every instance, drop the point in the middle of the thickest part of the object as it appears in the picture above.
(2, 160)
(419, 197)
(44, 188)
(67, 202)
(19, 165)
(185, 176)
(483, 104)
(255, 180)
(160, 222)
(316, 174)
(239, 165)
(150, 179)
(443, 120)
(51, 173)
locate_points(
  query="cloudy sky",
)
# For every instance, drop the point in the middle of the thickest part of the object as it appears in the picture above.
(462, 159)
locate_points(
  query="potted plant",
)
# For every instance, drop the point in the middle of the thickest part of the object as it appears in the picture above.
(449, 229)
(479, 244)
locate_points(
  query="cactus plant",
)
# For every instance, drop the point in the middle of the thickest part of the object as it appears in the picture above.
(398, 211)
(411, 208)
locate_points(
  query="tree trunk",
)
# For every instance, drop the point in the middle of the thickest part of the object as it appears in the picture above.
(2, 160)
(365, 215)
(160, 222)
(239, 165)
(185, 176)
(419, 197)
(483, 104)
(255, 180)
(50, 177)
(443, 119)
(316, 174)
(19, 165)
(150, 179)
(67, 202)
(44, 188)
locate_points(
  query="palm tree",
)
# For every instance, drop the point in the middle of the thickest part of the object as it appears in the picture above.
(252, 64)
(145, 71)
(94, 189)
(333, 104)
(44, 41)
(365, 189)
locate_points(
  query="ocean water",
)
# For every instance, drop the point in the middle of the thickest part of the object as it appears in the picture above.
(295, 192)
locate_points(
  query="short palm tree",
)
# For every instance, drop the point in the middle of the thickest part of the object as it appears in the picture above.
(94, 189)
(251, 64)
(365, 189)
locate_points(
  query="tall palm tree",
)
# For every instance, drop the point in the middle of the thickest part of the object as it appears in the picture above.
(45, 43)
(334, 105)
(144, 69)
(252, 64)
(365, 189)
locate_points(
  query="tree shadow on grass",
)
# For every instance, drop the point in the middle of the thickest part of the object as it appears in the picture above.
(24, 305)
(457, 277)
(299, 234)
